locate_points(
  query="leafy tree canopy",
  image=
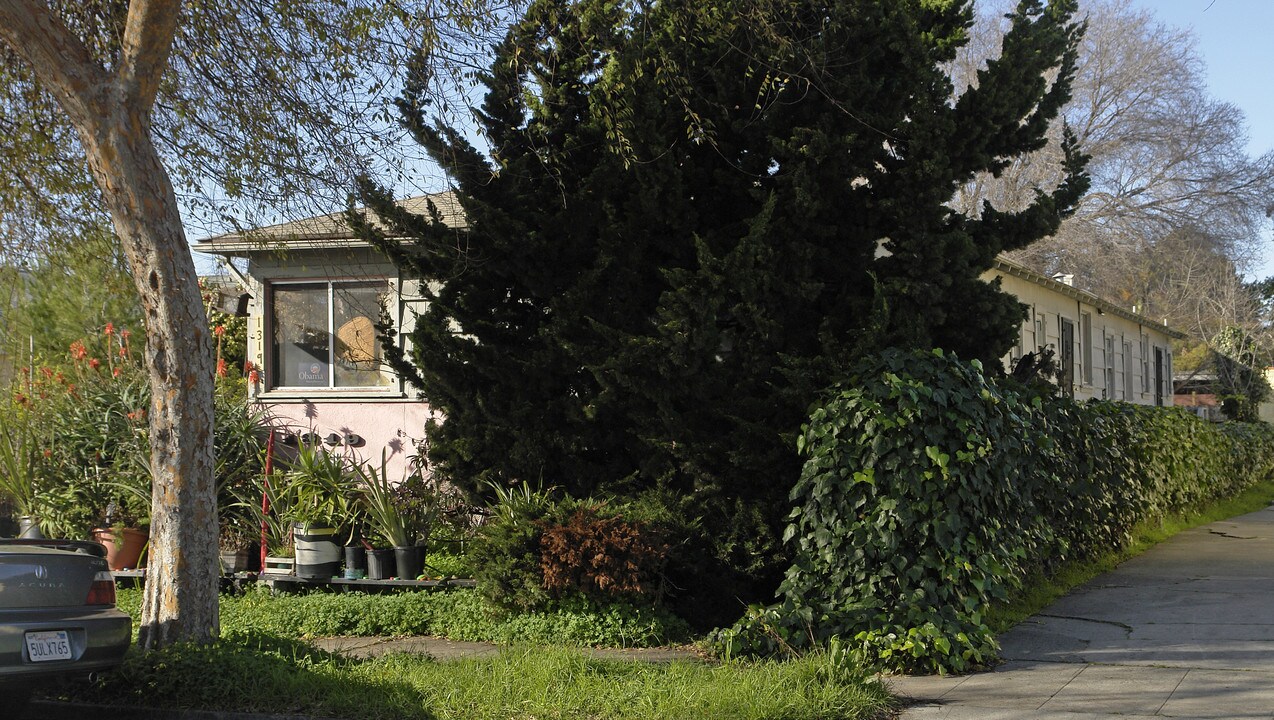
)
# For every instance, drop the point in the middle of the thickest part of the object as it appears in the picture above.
(265, 109)
(692, 217)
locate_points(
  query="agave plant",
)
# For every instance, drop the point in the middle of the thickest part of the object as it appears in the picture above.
(317, 488)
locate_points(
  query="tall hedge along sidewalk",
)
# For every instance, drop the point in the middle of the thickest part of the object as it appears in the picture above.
(929, 492)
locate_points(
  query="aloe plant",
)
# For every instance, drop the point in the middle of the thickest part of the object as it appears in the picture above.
(380, 505)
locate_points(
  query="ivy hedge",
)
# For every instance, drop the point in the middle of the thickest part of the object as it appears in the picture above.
(930, 491)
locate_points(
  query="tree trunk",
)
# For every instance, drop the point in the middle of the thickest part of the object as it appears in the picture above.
(110, 110)
(180, 601)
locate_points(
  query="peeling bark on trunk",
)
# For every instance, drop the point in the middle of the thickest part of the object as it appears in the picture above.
(110, 110)
(180, 601)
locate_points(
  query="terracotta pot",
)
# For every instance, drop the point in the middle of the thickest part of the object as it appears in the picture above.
(123, 550)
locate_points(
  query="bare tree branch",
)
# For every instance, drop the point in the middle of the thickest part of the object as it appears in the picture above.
(56, 56)
(148, 38)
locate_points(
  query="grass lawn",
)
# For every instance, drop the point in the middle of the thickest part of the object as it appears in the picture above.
(263, 664)
(252, 672)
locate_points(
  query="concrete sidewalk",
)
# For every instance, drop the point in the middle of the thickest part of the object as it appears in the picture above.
(1186, 630)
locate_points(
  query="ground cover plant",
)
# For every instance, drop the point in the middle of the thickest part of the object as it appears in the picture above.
(458, 614)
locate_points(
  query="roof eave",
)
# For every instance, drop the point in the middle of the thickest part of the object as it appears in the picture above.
(1011, 268)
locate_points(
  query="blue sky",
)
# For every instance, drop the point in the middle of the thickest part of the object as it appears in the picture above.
(1235, 41)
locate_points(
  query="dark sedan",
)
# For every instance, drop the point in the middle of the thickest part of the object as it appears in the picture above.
(57, 615)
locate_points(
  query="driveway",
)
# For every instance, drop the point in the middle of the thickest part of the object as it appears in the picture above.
(1185, 630)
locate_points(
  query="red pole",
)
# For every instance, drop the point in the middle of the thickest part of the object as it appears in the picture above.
(265, 497)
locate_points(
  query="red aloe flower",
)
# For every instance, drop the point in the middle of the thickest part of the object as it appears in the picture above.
(95, 363)
(219, 330)
(110, 329)
(115, 372)
(253, 376)
(78, 351)
(221, 367)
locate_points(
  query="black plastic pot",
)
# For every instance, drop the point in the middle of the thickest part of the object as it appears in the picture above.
(410, 560)
(355, 562)
(380, 564)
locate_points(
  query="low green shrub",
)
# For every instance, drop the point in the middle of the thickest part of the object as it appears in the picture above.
(505, 552)
(928, 493)
(447, 564)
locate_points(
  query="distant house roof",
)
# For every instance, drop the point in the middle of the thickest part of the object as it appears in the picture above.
(319, 232)
(1008, 267)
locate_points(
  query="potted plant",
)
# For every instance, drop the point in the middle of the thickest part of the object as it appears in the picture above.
(239, 449)
(125, 517)
(397, 514)
(20, 478)
(317, 486)
(238, 546)
(89, 419)
(279, 553)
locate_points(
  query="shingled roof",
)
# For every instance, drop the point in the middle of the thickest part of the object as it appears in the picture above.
(319, 232)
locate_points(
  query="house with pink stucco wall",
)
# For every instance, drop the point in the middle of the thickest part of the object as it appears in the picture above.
(315, 294)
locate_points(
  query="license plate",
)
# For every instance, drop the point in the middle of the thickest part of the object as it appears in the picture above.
(48, 645)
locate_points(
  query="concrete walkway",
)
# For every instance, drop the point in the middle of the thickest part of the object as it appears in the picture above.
(1186, 630)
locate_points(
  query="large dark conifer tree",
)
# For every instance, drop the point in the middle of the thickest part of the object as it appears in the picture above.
(694, 216)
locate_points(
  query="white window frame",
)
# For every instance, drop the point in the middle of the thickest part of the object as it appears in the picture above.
(391, 389)
(1109, 343)
(1128, 373)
